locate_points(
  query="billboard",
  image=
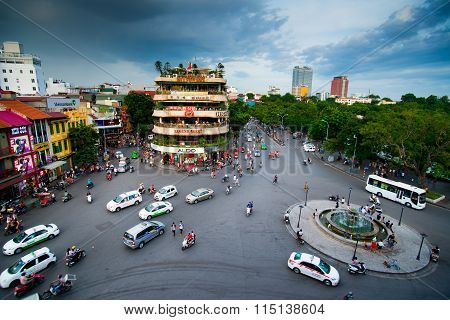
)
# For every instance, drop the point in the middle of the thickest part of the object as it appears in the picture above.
(20, 144)
(24, 164)
(63, 102)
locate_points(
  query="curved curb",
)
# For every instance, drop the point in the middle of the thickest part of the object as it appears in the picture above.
(346, 262)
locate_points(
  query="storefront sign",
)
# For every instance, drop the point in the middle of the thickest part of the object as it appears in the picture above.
(178, 97)
(20, 144)
(188, 131)
(222, 114)
(41, 146)
(191, 78)
(18, 130)
(63, 102)
(180, 150)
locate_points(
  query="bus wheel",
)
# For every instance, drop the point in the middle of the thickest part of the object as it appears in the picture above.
(379, 194)
(408, 205)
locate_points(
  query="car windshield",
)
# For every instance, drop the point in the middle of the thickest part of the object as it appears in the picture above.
(422, 198)
(118, 199)
(163, 190)
(19, 237)
(324, 266)
(15, 268)
(196, 193)
(128, 236)
(150, 207)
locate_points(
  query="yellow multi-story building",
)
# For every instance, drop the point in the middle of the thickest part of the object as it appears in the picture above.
(300, 91)
(59, 137)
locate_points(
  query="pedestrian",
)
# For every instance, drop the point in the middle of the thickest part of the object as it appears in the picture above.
(181, 227)
(343, 201)
(173, 228)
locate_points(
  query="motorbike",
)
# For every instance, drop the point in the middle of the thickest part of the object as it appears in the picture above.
(10, 230)
(89, 198)
(375, 200)
(141, 190)
(22, 289)
(228, 190)
(434, 255)
(61, 185)
(90, 185)
(359, 268)
(46, 199)
(248, 211)
(225, 179)
(66, 198)
(305, 163)
(193, 171)
(56, 288)
(187, 244)
(131, 169)
(333, 198)
(76, 257)
(109, 176)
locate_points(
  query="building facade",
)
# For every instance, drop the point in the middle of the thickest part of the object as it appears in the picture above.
(339, 86)
(191, 118)
(300, 91)
(59, 140)
(20, 72)
(302, 76)
(350, 101)
(322, 96)
(54, 87)
(273, 90)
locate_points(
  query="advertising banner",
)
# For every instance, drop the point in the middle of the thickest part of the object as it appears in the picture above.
(20, 144)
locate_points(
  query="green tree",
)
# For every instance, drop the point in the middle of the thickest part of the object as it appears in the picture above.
(409, 97)
(166, 68)
(250, 96)
(84, 141)
(139, 110)
(158, 67)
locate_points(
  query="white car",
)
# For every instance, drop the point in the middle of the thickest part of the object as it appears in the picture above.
(155, 209)
(309, 148)
(31, 263)
(124, 200)
(29, 238)
(166, 193)
(249, 139)
(313, 267)
(119, 154)
(123, 167)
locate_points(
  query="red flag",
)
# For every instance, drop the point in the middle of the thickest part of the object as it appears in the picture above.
(189, 67)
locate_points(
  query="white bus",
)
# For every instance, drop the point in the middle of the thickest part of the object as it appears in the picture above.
(403, 193)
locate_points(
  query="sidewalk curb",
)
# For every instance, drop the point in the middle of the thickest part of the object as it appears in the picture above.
(346, 262)
(352, 175)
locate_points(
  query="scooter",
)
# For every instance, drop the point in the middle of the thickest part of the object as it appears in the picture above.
(21, 289)
(131, 169)
(225, 179)
(249, 211)
(187, 244)
(76, 257)
(141, 190)
(305, 163)
(360, 268)
(89, 198)
(66, 198)
(228, 190)
(90, 185)
(9, 231)
(57, 288)
(333, 198)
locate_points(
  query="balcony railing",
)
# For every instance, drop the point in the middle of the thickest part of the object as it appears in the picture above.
(4, 152)
(183, 112)
(190, 130)
(191, 126)
(8, 174)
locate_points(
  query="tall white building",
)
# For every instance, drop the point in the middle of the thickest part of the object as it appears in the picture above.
(54, 87)
(273, 90)
(302, 76)
(20, 72)
(322, 96)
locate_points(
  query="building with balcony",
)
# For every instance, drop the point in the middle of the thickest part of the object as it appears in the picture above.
(18, 173)
(60, 144)
(191, 118)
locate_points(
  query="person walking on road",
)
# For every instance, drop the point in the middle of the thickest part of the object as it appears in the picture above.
(181, 227)
(173, 228)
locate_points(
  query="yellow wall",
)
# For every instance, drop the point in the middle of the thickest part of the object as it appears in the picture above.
(301, 91)
(77, 115)
(59, 138)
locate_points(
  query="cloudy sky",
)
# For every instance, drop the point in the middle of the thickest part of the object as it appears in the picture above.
(387, 47)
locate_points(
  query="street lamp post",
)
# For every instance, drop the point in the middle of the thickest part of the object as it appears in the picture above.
(306, 188)
(349, 194)
(354, 252)
(299, 216)
(282, 119)
(354, 150)
(424, 235)
(328, 126)
(401, 215)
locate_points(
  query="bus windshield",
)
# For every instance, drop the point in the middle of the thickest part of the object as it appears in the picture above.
(422, 198)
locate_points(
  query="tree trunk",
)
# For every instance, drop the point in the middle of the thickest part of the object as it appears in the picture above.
(422, 178)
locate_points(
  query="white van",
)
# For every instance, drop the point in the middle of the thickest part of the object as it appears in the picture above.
(33, 262)
(124, 200)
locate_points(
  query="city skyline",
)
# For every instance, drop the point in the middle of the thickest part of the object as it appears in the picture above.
(400, 47)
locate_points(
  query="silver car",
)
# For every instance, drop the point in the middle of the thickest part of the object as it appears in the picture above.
(142, 233)
(199, 195)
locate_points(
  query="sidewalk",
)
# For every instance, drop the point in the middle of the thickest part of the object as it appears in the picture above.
(321, 239)
(439, 186)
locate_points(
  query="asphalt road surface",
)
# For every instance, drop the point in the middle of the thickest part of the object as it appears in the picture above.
(235, 257)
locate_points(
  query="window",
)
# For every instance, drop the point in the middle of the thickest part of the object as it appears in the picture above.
(51, 129)
(55, 148)
(34, 88)
(43, 258)
(59, 146)
(57, 127)
(7, 88)
(10, 71)
(5, 79)
(21, 71)
(4, 70)
(29, 265)
(65, 144)
(31, 71)
(63, 127)
(32, 80)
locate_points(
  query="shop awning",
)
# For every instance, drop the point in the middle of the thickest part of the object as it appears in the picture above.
(54, 165)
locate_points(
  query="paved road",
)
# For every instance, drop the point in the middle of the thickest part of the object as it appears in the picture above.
(235, 257)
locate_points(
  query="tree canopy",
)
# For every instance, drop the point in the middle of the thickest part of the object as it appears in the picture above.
(84, 140)
(139, 110)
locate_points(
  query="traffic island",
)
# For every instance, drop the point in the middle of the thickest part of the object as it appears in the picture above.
(337, 232)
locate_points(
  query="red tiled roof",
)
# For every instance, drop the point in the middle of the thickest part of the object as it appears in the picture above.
(6, 91)
(30, 99)
(4, 125)
(57, 115)
(12, 119)
(25, 110)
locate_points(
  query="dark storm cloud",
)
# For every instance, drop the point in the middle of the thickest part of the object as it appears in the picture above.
(410, 37)
(141, 31)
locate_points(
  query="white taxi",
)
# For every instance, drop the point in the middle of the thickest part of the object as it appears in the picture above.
(31, 263)
(166, 193)
(29, 238)
(313, 267)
